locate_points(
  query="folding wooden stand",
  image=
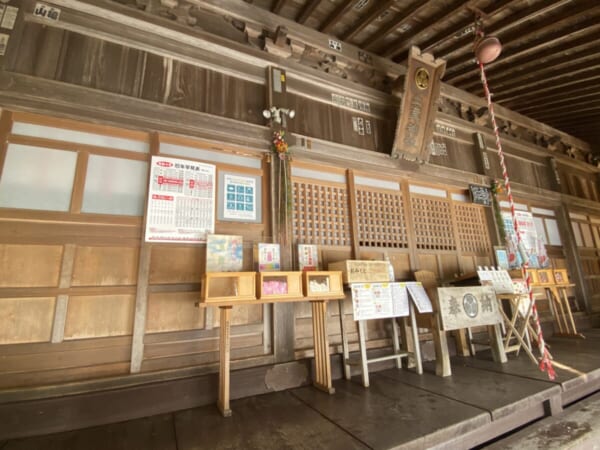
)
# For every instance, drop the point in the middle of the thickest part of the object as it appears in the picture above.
(398, 354)
(518, 325)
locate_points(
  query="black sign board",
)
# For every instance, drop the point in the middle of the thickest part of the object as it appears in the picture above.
(481, 195)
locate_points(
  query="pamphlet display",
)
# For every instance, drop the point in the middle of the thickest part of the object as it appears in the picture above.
(384, 300)
(308, 257)
(224, 253)
(181, 201)
(267, 257)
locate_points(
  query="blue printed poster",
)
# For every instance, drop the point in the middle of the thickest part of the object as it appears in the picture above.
(240, 198)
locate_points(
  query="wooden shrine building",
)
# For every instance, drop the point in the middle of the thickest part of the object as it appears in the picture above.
(389, 130)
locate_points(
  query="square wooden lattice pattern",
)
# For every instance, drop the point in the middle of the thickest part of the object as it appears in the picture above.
(321, 215)
(472, 229)
(433, 223)
(380, 219)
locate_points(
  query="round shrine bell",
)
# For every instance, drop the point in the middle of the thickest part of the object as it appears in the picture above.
(487, 49)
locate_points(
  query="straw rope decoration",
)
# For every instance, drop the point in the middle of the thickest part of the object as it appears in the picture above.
(545, 364)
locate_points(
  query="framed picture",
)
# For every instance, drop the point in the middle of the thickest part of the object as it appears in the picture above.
(533, 275)
(545, 276)
(561, 276)
(501, 257)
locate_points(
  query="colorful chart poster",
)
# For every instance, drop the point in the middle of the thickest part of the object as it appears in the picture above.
(240, 197)
(181, 202)
(224, 253)
(532, 245)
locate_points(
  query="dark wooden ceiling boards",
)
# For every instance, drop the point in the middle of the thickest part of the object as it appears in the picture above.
(549, 68)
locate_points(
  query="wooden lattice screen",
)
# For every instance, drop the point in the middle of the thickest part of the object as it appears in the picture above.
(321, 214)
(432, 220)
(380, 219)
(472, 229)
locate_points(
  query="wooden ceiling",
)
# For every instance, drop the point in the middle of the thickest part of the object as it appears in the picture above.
(549, 68)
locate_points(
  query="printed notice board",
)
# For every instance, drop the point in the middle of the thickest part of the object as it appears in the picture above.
(379, 300)
(181, 201)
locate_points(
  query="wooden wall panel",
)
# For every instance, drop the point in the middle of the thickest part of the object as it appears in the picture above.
(174, 311)
(29, 265)
(155, 76)
(170, 264)
(428, 262)
(467, 264)
(26, 319)
(189, 87)
(450, 267)
(105, 266)
(235, 98)
(242, 315)
(99, 315)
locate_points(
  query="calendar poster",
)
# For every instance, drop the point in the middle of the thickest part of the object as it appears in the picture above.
(181, 201)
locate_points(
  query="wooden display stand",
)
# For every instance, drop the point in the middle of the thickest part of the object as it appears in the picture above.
(555, 284)
(322, 284)
(227, 289)
(279, 285)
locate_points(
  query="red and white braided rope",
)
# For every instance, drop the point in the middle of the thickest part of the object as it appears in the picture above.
(545, 362)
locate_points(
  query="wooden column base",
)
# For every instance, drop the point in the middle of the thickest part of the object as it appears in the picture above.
(322, 378)
(224, 360)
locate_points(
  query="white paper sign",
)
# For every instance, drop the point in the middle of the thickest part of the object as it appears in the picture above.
(181, 203)
(9, 18)
(379, 300)
(499, 279)
(420, 297)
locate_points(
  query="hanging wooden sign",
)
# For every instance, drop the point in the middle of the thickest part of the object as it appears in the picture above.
(481, 195)
(414, 129)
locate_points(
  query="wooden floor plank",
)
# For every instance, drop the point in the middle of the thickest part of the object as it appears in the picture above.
(271, 421)
(500, 394)
(390, 414)
(150, 433)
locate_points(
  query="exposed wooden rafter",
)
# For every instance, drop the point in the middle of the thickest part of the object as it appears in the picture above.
(307, 10)
(276, 8)
(372, 14)
(337, 15)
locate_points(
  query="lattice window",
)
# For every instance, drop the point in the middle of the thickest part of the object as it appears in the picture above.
(432, 220)
(380, 219)
(472, 229)
(321, 214)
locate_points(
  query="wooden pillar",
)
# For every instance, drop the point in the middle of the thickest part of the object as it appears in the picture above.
(281, 217)
(224, 360)
(573, 260)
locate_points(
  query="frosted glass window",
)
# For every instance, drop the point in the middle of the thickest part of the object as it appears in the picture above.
(80, 137)
(37, 178)
(115, 186)
(586, 233)
(553, 234)
(539, 228)
(577, 234)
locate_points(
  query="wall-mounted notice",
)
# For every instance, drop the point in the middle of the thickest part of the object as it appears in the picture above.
(240, 197)
(181, 201)
(379, 300)
(420, 297)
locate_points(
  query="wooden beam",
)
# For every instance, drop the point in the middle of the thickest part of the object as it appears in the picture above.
(434, 44)
(276, 8)
(573, 112)
(592, 95)
(578, 72)
(403, 45)
(510, 22)
(332, 20)
(403, 18)
(540, 102)
(589, 77)
(307, 11)
(373, 14)
(501, 72)
(537, 37)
